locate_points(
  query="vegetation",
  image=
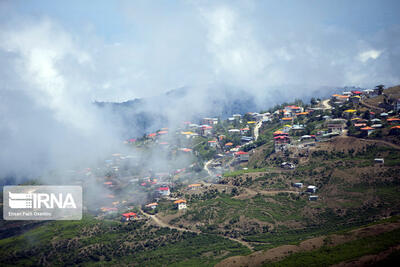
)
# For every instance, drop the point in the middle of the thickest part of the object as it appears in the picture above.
(328, 255)
(105, 242)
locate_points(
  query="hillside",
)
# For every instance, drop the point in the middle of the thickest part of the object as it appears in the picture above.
(296, 185)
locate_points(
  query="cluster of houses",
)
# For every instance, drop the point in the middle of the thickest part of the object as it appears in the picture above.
(293, 131)
(337, 126)
(374, 120)
(311, 190)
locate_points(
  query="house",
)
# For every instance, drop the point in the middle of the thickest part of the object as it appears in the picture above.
(355, 99)
(379, 160)
(128, 216)
(370, 92)
(336, 125)
(152, 205)
(298, 127)
(180, 204)
(209, 121)
(152, 135)
(289, 119)
(206, 130)
(286, 128)
(288, 165)
(371, 115)
(308, 138)
(229, 144)
(335, 128)
(384, 115)
(212, 143)
(131, 140)
(302, 114)
(377, 126)
(375, 120)
(279, 132)
(356, 93)
(242, 156)
(359, 125)
(326, 117)
(311, 189)
(163, 132)
(237, 117)
(194, 186)
(367, 130)
(340, 98)
(244, 131)
(313, 198)
(265, 121)
(260, 117)
(246, 139)
(395, 130)
(393, 120)
(293, 110)
(234, 131)
(193, 126)
(349, 113)
(185, 150)
(281, 142)
(164, 191)
(298, 185)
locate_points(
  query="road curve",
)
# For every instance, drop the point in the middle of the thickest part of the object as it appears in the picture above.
(163, 224)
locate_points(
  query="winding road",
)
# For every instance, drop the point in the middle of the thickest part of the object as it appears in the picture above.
(206, 167)
(257, 130)
(326, 105)
(163, 224)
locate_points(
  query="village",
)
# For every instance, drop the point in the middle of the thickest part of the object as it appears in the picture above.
(195, 157)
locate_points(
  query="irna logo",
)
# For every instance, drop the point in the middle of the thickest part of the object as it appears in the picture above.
(41, 200)
(45, 202)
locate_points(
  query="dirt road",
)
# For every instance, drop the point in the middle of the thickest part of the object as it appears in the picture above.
(163, 224)
(326, 105)
(257, 130)
(206, 167)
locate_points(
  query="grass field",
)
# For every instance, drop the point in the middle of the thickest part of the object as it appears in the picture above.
(327, 255)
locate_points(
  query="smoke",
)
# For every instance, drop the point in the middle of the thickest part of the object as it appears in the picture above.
(53, 67)
(47, 120)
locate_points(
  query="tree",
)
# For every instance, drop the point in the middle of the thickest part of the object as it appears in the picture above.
(313, 101)
(380, 88)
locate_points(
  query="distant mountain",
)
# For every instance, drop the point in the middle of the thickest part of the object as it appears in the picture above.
(140, 116)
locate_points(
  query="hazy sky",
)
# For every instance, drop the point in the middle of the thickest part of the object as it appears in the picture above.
(56, 57)
(128, 49)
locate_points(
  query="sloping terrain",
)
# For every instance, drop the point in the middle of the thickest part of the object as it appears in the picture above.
(351, 248)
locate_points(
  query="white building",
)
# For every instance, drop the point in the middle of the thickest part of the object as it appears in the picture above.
(311, 189)
(180, 204)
